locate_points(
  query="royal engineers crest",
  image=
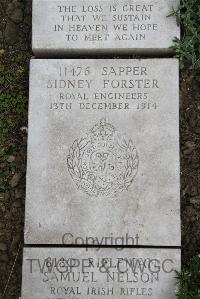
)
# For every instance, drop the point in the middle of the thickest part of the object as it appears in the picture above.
(103, 163)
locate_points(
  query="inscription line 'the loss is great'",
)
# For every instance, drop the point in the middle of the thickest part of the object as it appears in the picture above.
(129, 22)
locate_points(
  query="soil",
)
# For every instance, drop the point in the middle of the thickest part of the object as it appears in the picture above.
(15, 39)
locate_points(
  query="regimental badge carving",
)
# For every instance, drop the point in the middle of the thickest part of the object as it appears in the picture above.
(103, 163)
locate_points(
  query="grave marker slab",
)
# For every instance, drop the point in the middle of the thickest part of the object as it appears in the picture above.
(93, 27)
(103, 152)
(90, 273)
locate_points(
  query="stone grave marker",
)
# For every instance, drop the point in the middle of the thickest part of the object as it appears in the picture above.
(103, 152)
(106, 26)
(97, 273)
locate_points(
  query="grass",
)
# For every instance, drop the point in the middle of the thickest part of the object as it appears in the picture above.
(188, 51)
(13, 108)
(188, 48)
(189, 280)
(13, 99)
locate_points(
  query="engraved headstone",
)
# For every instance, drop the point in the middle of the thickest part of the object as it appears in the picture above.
(92, 273)
(103, 152)
(73, 27)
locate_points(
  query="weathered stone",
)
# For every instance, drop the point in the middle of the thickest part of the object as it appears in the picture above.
(103, 153)
(93, 273)
(11, 33)
(73, 27)
(15, 11)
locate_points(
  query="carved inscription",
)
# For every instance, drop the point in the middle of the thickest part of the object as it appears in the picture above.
(102, 22)
(106, 26)
(125, 87)
(106, 276)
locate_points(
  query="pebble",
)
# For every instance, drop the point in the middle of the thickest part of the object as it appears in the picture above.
(24, 129)
(15, 180)
(3, 246)
(11, 159)
(195, 200)
(2, 51)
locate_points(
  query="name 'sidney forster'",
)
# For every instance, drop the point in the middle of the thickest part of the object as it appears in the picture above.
(106, 83)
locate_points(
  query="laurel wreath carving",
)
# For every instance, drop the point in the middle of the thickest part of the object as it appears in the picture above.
(74, 162)
(132, 162)
(74, 158)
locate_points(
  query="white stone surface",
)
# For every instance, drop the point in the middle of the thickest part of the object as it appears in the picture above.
(120, 179)
(72, 273)
(106, 26)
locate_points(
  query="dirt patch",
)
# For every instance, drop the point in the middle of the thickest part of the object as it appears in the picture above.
(15, 52)
(190, 162)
